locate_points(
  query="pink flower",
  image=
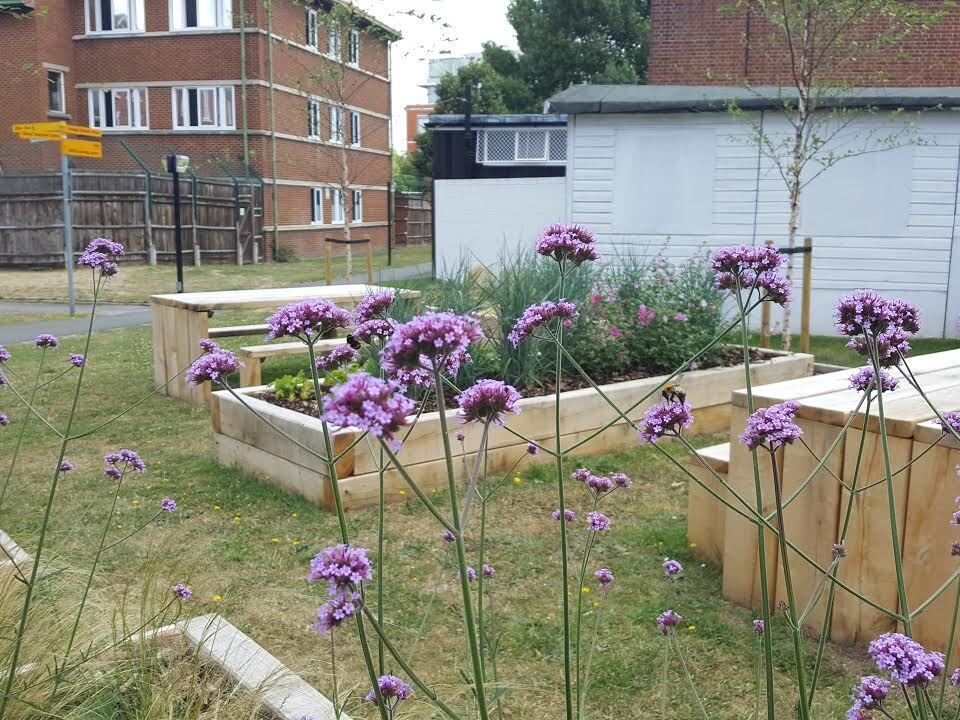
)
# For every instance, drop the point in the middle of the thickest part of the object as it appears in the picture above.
(680, 317)
(645, 315)
(615, 331)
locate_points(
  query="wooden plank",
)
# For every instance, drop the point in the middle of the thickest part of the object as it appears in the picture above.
(904, 412)
(198, 327)
(927, 560)
(930, 432)
(238, 331)
(289, 348)
(158, 313)
(273, 297)
(741, 568)
(283, 693)
(869, 566)
(811, 519)
(705, 514)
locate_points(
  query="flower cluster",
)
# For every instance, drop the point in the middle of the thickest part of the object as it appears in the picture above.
(168, 505)
(867, 695)
(393, 690)
(487, 401)
(863, 380)
(671, 568)
(307, 320)
(46, 341)
(600, 485)
(4, 355)
(759, 627)
(4, 420)
(668, 619)
(605, 577)
(214, 365)
(567, 242)
(743, 266)
(432, 341)
(598, 522)
(877, 324)
(373, 306)
(471, 574)
(370, 404)
(66, 466)
(538, 316)
(952, 419)
(182, 591)
(127, 458)
(336, 358)
(77, 360)
(905, 659)
(772, 427)
(568, 514)
(376, 328)
(667, 417)
(344, 568)
(99, 255)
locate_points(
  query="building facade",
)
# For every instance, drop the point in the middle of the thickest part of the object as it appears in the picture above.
(716, 42)
(417, 117)
(273, 90)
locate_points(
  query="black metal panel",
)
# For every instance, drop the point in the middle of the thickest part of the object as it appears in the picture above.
(453, 161)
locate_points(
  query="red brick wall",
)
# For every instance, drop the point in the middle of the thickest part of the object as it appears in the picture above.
(695, 42)
(412, 113)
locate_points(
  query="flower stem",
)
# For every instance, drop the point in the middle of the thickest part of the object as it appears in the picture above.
(23, 428)
(686, 673)
(946, 662)
(578, 618)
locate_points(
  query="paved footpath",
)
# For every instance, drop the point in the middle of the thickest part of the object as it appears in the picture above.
(111, 316)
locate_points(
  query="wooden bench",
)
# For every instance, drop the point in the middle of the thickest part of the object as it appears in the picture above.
(254, 355)
(705, 515)
(238, 331)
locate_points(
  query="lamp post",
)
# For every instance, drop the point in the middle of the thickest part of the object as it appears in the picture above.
(176, 164)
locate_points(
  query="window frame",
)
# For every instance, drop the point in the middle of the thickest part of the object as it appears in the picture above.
(336, 125)
(93, 18)
(221, 107)
(316, 205)
(138, 99)
(483, 146)
(338, 210)
(61, 86)
(314, 123)
(356, 211)
(353, 48)
(222, 10)
(334, 42)
(312, 39)
(356, 135)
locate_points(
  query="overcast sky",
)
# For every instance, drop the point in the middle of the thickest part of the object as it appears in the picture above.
(471, 22)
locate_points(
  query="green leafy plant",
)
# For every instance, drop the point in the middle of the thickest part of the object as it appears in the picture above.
(293, 387)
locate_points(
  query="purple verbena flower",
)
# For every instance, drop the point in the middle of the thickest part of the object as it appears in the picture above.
(772, 427)
(567, 242)
(955, 678)
(665, 418)
(393, 690)
(77, 360)
(776, 287)
(839, 550)
(4, 355)
(568, 514)
(373, 306)
(460, 436)
(952, 421)
(214, 366)
(448, 537)
(3, 380)
(46, 341)
(742, 266)
(877, 324)
(863, 380)
(182, 591)
(955, 548)
(128, 458)
(599, 484)
(336, 358)
(604, 576)
(668, 619)
(581, 475)
(334, 611)
(622, 480)
(598, 521)
(342, 566)
(906, 660)
(4, 420)
(168, 505)
(671, 568)
(209, 345)
(471, 574)
(307, 320)
(870, 692)
(376, 328)
(66, 466)
(97, 256)
(432, 341)
(540, 315)
(488, 571)
(370, 404)
(486, 401)
(759, 627)
(533, 449)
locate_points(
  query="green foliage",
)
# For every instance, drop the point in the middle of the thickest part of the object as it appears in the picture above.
(404, 174)
(421, 161)
(486, 85)
(293, 387)
(284, 255)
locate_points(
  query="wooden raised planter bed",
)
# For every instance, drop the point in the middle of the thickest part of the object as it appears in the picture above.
(246, 442)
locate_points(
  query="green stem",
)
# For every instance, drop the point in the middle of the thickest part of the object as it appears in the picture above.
(593, 645)
(23, 428)
(756, 680)
(946, 662)
(381, 530)
(686, 673)
(578, 618)
(474, 647)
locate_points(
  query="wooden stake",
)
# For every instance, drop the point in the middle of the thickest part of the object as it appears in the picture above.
(807, 291)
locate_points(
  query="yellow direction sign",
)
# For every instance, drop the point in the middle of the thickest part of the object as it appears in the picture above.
(41, 127)
(82, 131)
(39, 135)
(81, 148)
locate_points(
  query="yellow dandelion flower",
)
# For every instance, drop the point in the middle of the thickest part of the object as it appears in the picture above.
(586, 589)
(217, 598)
(691, 627)
(136, 502)
(403, 492)
(296, 542)
(236, 518)
(693, 545)
(596, 604)
(293, 514)
(275, 540)
(516, 481)
(216, 507)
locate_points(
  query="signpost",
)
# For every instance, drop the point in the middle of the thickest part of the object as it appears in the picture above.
(49, 131)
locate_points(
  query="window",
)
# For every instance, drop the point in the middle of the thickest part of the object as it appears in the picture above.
(353, 48)
(200, 14)
(422, 123)
(336, 124)
(311, 28)
(119, 108)
(354, 128)
(333, 41)
(121, 16)
(206, 108)
(313, 119)
(58, 101)
(522, 146)
(316, 206)
(357, 206)
(336, 211)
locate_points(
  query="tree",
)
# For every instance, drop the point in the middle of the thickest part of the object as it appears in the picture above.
(486, 86)
(422, 159)
(822, 44)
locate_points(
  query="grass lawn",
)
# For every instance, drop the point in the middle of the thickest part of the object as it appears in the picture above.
(138, 282)
(244, 547)
(833, 351)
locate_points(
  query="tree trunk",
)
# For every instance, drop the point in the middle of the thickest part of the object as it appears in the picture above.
(791, 243)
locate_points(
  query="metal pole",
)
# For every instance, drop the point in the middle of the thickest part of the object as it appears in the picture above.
(68, 227)
(177, 229)
(391, 219)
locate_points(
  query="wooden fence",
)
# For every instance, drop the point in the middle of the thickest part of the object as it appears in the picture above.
(413, 218)
(222, 219)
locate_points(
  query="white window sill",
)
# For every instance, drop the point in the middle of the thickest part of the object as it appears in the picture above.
(205, 129)
(115, 129)
(205, 29)
(114, 33)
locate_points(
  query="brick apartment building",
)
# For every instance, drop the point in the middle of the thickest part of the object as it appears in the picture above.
(197, 77)
(417, 117)
(704, 42)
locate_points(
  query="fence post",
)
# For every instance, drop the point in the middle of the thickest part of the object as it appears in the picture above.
(237, 220)
(193, 217)
(807, 292)
(765, 319)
